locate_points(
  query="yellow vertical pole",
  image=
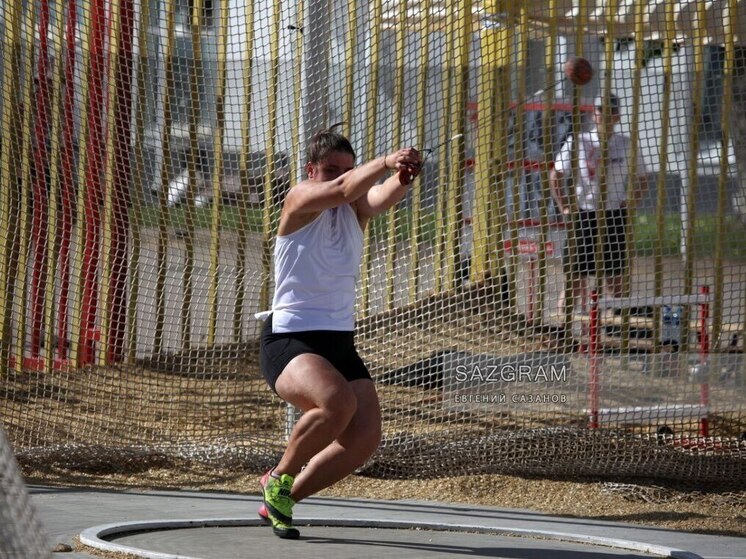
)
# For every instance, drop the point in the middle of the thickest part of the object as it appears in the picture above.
(196, 75)
(54, 179)
(547, 140)
(603, 170)
(350, 46)
(700, 38)
(502, 85)
(161, 253)
(295, 165)
(268, 222)
(669, 35)
(725, 119)
(138, 184)
(443, 174)
(112, 115)
(639, 27)
(413, 279)
(485, 156)
(217, 173)
(9, 164)
(27, 35)
(461, 31)
(394, 215)
(244, 171)
(520, 45)
(370, 150)
(580, 29)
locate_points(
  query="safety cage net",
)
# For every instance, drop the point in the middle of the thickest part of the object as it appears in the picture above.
(561, 292)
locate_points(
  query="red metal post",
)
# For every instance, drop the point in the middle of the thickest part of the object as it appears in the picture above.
(120, 223)
(531, 295)
(67, 189)
(583, 306)
(39, 223)
(704, 351)
(93, 178)
(593, 356)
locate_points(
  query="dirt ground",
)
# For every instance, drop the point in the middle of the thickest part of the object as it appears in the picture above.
(715, 513)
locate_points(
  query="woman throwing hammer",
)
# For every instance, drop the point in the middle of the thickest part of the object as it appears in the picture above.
(307, 353)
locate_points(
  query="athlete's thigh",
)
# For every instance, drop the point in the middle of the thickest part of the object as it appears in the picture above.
(310, 381)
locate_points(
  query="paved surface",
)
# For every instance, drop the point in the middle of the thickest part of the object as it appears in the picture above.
(223, 526)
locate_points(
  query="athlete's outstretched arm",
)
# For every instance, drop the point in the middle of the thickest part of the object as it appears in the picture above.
(383, 196)
(314, 196)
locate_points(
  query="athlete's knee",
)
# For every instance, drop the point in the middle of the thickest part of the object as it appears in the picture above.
(339, 406)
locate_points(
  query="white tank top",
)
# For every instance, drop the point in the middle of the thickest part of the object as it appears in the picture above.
(316, 270)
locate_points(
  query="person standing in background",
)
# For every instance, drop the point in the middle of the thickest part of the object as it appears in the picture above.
(586, 223)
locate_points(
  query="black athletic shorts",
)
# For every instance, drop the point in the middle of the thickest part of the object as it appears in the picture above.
(277, 350)
(585, 229)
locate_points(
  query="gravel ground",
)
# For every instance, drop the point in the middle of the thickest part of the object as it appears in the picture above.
(712, 513)
(635, 501)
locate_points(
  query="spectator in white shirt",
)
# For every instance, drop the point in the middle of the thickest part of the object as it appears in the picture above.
(586, 222)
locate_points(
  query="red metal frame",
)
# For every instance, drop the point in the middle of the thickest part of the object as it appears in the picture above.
(120, 224)
(704, 351)
(93, 178)
(67, 189)
(39, 223)
(94, 199)
(593, 346)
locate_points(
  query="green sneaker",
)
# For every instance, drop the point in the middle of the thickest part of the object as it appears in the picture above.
(279, 505)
